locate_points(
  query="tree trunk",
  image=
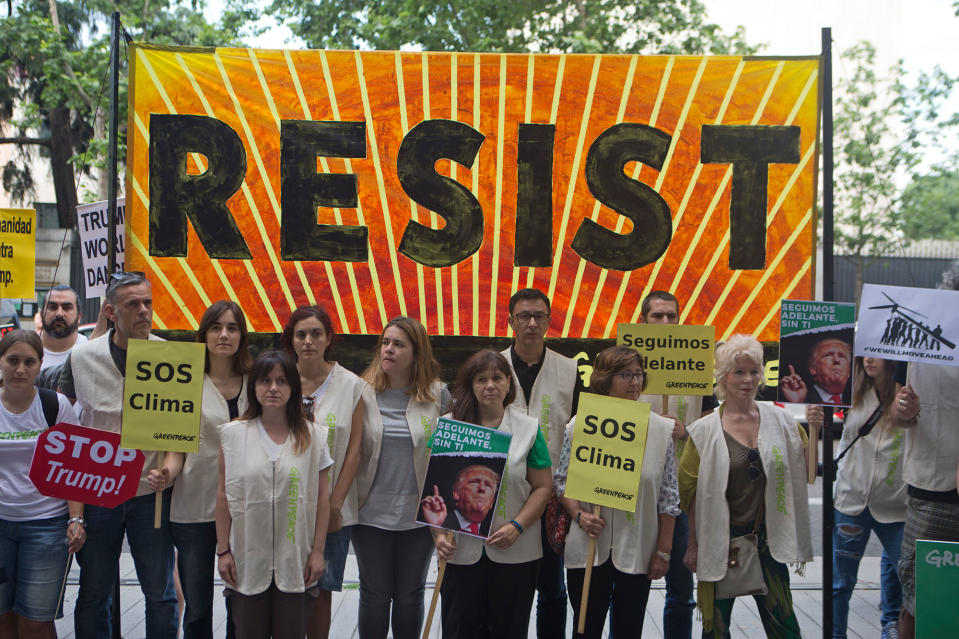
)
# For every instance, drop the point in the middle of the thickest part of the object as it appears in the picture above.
(64, 181)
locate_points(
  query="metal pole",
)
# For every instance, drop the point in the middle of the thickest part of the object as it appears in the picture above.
(112, 157)
(828, 290)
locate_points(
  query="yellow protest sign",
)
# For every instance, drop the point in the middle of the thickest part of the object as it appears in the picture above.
(678, 360)
(609, 440)
(18, 253)
(161, 396)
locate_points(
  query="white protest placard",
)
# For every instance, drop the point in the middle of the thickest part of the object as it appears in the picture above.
(908, 324)
(93, 224)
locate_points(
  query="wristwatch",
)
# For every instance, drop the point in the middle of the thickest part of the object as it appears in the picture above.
(663, 555)
(77, 520)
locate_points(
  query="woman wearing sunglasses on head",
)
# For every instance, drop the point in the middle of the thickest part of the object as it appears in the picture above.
(334, 398)
(743, 473)
(632, 549)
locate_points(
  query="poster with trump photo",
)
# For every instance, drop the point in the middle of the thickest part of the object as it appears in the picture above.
(908, 324)
(815, 352)
(463, 477)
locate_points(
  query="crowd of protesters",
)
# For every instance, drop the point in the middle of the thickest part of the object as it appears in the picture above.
(356, 448)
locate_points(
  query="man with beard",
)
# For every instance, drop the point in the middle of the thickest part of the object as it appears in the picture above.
(59, 316)
(474, 494)
(830, 366)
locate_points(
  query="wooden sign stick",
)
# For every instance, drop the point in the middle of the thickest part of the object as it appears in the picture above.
(436, 589)
(812, 449)
(590, 556)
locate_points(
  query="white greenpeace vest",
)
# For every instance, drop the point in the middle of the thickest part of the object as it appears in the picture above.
(421, 419)
(513, 493)
(272, 505)
(786, 504)
(629, 537)
(550, 400)
(335, 412)
(685, 408)
(871, 472)
(99, 389)
(194, 492)
(932, 445)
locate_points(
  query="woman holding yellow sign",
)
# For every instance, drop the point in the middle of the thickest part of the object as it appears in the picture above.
(742, 479)
(272, 505)
(632, 548)
(488, 587)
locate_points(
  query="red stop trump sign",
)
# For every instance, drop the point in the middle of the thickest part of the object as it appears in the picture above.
(86, 465)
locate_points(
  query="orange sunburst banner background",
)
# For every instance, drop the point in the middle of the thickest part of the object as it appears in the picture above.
(253, 90)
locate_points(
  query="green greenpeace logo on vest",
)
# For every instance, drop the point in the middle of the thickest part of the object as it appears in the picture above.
(331, 433)
(544, 416)
(427, 427)
(292, 496)
(780, 480)
(894, 455)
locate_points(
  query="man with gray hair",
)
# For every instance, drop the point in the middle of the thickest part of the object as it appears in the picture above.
(928, 407)
(93, 376)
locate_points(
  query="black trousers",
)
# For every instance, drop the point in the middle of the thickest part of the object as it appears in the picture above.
(628, 594)
(488, 599)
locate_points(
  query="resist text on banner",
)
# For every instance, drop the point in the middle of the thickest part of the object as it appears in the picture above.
(609, 441)
(815, 352)
(18, 253)
(908, 324)
(464, 477)
(93, 223)
(678, 360)
(85, 464)
(162, 394)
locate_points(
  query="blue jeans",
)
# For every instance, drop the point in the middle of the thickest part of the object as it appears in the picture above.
(678, 613)
(196, 548)
(850, 535)
(551, 586)
(152, 550)
(33, 566)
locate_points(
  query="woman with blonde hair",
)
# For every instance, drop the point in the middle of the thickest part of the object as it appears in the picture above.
(743, 472)
(392, 550)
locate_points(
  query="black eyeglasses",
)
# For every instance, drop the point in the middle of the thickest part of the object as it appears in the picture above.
(125, 278)
(308, 402)
(628, 376)
(538, 318)
(755, 470)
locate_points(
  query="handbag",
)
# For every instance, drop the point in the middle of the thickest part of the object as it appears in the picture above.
(744, 574)
(557, 522)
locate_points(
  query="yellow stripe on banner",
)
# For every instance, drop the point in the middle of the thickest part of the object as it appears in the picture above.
(758, 286)
(229, 289)
(267, 303)
(360, 220)
(498, 202)
(769, 219)
(271, 105)
(252, 274)
(716, 197)
(554, 109)
(663, 85)
(138, 245)
(694, 243)
(674, 140)
(476, 192)
(601, 282)
(434, 221)
(384, 201)
(528, 117)
(264, 176)
(454, 271)
(414, 210)
(787, 293)
(327, 267)
(574, 171)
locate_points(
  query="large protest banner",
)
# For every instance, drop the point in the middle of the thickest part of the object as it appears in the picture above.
(444, 181)
(18, 253)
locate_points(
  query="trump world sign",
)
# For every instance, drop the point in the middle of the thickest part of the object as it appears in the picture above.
(436, 184)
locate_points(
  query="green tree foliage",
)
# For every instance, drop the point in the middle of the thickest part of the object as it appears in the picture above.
(930, 206)
(54, 82)
(549, 26)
